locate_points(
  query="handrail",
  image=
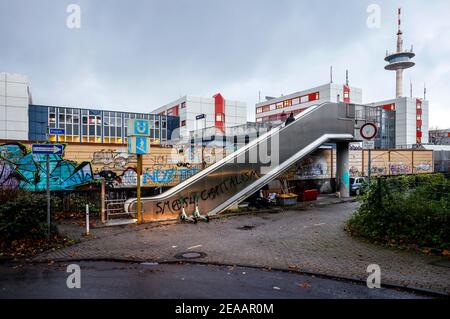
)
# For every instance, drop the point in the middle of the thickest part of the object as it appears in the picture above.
(218, 164)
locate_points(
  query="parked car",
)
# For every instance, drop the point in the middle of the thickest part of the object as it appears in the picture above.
(356, 183)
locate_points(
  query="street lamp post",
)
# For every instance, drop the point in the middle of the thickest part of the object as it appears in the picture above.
(199, 117)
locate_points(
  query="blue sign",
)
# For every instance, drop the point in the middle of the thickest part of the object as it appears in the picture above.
(56, 131)
(138, 127)
(138, 145)
(47, 149)
(199, 117)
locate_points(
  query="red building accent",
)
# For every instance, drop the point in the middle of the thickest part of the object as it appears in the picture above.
(419, 122)
(219, 102)
(389, 107)
(173, 111)
(346, 94)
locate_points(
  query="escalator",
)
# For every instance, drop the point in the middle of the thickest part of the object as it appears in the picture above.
(242, 173)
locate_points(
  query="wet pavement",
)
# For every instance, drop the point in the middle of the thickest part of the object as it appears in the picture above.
(309, 241)
(152, 280)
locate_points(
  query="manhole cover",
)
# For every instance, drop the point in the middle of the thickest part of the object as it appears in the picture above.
(246, 227)
(190, 255)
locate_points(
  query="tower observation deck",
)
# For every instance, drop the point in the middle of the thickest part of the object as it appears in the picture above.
(399, 60)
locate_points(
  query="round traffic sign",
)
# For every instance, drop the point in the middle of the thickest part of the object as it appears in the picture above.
(368, 131)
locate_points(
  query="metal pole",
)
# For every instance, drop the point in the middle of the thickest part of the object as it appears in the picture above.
(102, 198)
(203, 148)
(139, 170)
(369, 165)
(87, 219)
(48, 195)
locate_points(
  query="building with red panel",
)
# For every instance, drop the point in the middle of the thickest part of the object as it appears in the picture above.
(411, 120)
(197, 113)
(275, 110)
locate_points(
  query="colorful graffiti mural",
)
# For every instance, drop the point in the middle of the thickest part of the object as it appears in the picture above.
(20, 168)
(313, 166)
(83, 164)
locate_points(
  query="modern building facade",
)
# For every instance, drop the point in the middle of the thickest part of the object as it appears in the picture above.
(21, 120)
(218, 112)
(275, 110)
(14, 100)
(93, 126)
(411, 120)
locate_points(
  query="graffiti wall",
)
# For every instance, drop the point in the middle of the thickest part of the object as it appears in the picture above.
(21, 169)
(84, 164)
(391, 162)
(321, 164)
(317, 165)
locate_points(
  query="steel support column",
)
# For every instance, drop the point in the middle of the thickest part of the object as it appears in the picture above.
(342, 169)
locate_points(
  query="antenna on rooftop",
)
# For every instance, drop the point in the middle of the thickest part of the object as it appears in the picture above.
(331, 74)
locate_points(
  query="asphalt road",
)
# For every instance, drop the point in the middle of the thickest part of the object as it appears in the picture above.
(134, 280)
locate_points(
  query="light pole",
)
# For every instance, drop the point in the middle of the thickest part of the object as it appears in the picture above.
(199, 117)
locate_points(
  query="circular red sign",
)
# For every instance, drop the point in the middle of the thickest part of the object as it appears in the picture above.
(368, 131)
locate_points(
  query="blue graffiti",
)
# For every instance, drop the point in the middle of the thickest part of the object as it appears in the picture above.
(22, 169)
(160, 176)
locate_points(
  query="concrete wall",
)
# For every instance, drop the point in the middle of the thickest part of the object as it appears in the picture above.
(13, 107)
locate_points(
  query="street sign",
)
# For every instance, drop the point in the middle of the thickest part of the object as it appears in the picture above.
(138, 127)
(138, 145)
(368, 131)
(57, 131)
(368, 145)
(199, 117)
(47, 149)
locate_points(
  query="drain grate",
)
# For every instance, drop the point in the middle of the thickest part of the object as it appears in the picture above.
(190, 255)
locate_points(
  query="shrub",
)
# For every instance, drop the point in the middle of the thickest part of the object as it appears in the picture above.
(75, 203)
(408, 209)
(24, 215)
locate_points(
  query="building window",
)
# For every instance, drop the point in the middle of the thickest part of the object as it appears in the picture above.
(52, 118)
(304, 99)
(279, 105)
(287, 103)
(259, 120)
(183, 105)
(258, 110)
(219, 117)
(346, 95)
(266, 108)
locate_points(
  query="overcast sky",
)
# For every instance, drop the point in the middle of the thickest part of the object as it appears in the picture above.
(139, 55)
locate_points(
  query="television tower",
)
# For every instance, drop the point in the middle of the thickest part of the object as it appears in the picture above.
(399, 60)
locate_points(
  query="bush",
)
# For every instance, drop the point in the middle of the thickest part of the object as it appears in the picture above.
(405, 210)
(24, 215)
(75, 203)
